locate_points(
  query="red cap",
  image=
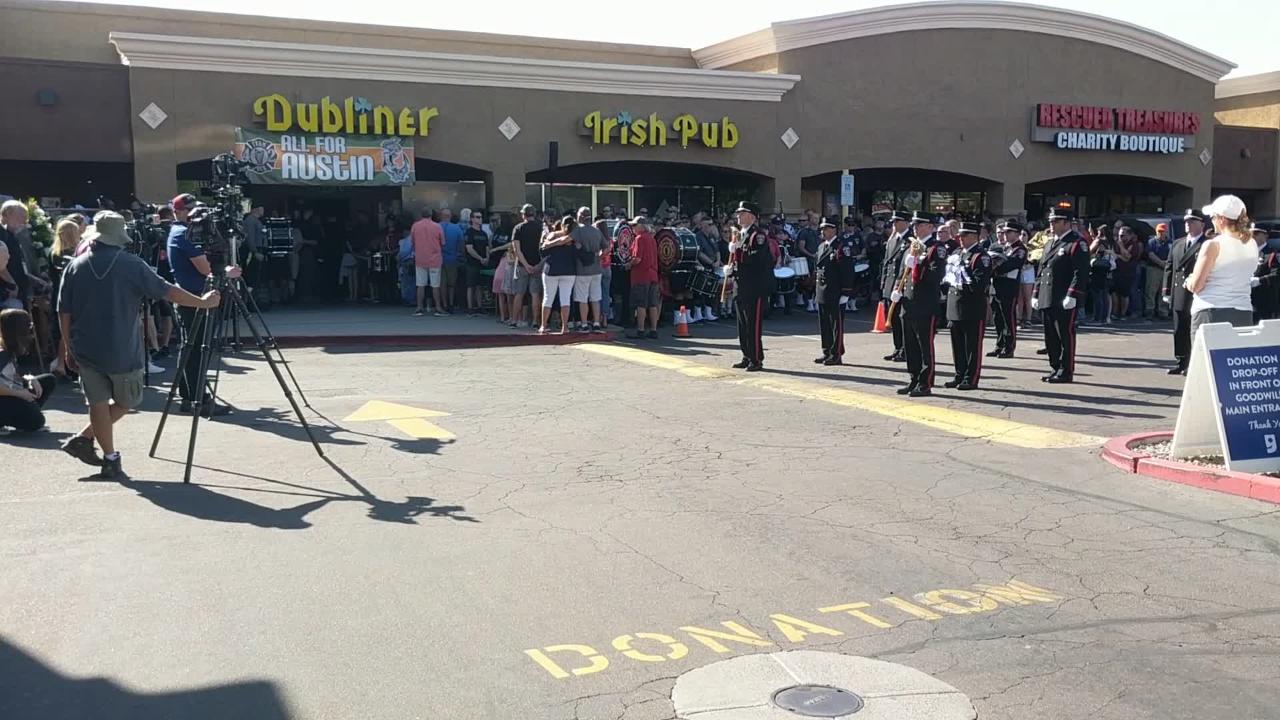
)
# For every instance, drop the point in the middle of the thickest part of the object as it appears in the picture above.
(185, 201)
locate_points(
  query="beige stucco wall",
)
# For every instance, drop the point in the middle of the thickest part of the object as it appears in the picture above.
(954, 100)
(1259, 110)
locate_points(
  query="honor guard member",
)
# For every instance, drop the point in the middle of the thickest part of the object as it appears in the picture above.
(1182, 260)
(969, 281)
(1064, 278)
(924, 266)
(1008, 257)
(834, 285)
(751, 266)
(1266, 281)
(895, 248)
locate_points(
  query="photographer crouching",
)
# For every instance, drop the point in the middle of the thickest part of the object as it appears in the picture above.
(99, 306)
(191, 269)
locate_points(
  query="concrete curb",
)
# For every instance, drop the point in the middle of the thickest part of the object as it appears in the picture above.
(441, 341)
(1119, 452)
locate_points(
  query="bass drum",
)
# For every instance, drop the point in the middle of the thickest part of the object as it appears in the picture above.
(623, 236)
(676, 246)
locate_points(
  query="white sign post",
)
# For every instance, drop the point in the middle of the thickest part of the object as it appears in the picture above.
(1231, 400)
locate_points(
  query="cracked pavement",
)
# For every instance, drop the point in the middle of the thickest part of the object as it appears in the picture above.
(586, 498)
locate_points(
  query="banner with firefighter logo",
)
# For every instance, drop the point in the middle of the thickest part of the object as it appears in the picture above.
(320, 159)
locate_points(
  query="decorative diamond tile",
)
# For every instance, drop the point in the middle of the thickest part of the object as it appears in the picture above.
(1206, 157)
(153, 116)
(790, 138)
(1016, 149)
(509, 128)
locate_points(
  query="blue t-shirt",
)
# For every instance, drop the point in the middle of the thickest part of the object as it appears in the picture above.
(453, 243)
(180, 253)
(1158, 248)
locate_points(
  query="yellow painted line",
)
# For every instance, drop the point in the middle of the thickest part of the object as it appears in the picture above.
(420, 429)
(957, 422)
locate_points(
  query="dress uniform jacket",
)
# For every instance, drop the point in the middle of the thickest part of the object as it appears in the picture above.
(894, 250)
(754, 268)
(1007, 267)
(923, 289)
(968, 302)
(1064, 271)
(1266, 296)
(834, 269)
(1182, 260)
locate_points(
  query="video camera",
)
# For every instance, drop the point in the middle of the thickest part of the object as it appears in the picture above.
(146, 235)
(216, 228)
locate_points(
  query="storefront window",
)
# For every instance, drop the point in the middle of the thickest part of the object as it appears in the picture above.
(970, 204)
(883, 200)
(942, 202)
(1148, 204)
(533, 194)
(565, 199)
(910, 200)
(1121, 204)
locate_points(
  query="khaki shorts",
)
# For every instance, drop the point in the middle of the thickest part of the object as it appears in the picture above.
(101, 388)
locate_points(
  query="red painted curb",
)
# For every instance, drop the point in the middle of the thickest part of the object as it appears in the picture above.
(440, 341)
(1118, 452)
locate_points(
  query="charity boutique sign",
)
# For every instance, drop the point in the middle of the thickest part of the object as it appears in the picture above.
(304, 159)
(1115, 129)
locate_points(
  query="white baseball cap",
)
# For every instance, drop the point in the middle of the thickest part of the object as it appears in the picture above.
(1228, 206)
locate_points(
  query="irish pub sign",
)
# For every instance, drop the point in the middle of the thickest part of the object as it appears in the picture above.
(653, 130)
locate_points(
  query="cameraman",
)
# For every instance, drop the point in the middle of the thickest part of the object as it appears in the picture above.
(255, 243)
(191, 271)
(163, 309)
(98, 309)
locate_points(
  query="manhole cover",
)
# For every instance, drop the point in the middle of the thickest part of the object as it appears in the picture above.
(817, 701)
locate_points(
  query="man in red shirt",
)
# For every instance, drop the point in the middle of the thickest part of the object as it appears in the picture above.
(428, 255)
(645, 295)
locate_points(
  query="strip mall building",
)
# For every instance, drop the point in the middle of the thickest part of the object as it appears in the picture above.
(967, 106)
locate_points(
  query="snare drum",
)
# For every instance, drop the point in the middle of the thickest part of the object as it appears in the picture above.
(680, 280)
(861, 267)
(622, 238)
(786, 280)
(707, 285)
(676, 246)
(378, 262)
(800, 265)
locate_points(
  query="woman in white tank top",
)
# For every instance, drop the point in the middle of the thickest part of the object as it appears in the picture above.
(1224, 268)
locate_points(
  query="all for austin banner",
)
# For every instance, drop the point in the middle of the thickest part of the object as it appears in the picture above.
(306, 159)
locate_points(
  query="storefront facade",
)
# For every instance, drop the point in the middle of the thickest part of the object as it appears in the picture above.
(887, 96)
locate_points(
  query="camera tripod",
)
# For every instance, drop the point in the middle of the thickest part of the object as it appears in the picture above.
(210, 342)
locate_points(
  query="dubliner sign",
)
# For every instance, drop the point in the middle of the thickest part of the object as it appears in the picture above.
(1115, 129)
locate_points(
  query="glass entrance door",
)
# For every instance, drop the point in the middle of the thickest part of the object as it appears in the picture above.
(614, 197)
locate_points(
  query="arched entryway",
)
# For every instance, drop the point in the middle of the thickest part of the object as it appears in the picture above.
(1106, 196)
(914, 189)
(631, 186)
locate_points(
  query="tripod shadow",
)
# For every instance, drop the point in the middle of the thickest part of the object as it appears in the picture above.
(282, 422)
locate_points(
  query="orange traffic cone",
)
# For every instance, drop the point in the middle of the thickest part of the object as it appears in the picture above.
(881, 322)
(682, 323)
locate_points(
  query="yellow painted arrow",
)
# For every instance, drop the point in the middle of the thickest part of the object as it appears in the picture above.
(409, 420)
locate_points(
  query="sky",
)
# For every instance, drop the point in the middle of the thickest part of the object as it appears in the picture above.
(1250, 41)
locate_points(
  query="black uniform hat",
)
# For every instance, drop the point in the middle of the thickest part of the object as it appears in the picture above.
(971, 228)
(1194, 214)
(850, 220)
(900, 216)
(1013, 225)
(924, 218)
(748, 206)
(1057, 214)
(778, 219)
(827, 222)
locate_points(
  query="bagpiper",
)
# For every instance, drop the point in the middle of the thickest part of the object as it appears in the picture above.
(968, 281)
(1008, 257)
(1266, 280)
(751, 266)
(924, 265)
(895, 248)
(834, 284)
(1064, 279)
(1182, 260)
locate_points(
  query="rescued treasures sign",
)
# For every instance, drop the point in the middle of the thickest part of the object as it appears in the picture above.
(301, 159)
(350, 116)
(1099, 127)
(623, 129)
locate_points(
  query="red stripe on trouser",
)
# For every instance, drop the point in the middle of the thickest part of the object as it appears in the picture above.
(1070, 340)
(933, 361)
(840, 331)
(982, 332)
(757, 338)
(1013, 322)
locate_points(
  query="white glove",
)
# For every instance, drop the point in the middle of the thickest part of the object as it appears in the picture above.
(728, 269)
(1068, 303)
(844, 299)
(912, 261)
(1255, 282)
(1166, 300)
(1035, 303)
(895, 296)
